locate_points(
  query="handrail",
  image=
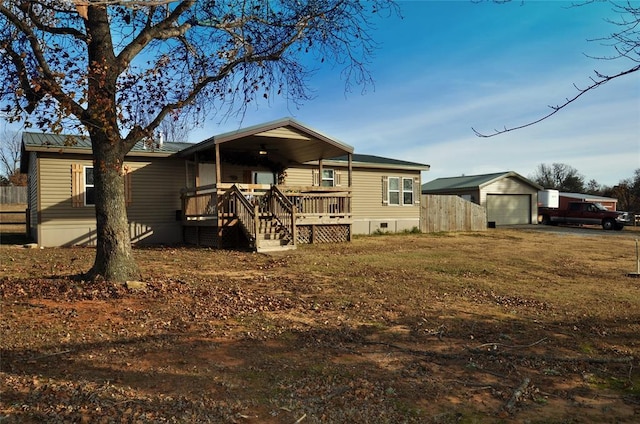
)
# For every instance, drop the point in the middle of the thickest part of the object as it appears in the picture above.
(283, 211)
(244, 210)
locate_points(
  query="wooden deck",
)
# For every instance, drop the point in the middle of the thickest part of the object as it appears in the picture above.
(299, 214)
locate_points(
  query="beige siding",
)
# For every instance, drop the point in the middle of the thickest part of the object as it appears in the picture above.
(32, 195)
(285, 133)
(512, 185)
(368, 211)
(155, 189)
(299, 176)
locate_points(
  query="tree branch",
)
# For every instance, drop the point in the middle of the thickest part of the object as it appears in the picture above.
(35, 19)
(603, 79)
(161, 31)
(47, 83)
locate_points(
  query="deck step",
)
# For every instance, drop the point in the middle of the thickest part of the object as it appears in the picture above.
(270, 238)
(281, 248)
(272, 245)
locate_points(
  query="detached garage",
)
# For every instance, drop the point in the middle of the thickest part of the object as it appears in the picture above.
(508, 197)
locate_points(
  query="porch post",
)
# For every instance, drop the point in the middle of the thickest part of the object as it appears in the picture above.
(350, 158)
(218, 203)
(197, 182)
(218, 171)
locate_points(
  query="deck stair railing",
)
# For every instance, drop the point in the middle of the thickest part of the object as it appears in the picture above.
(283, 212)
(234, 203)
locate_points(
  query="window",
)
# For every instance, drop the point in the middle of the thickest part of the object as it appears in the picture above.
(328, 178)
(262, 177)
(89, 189)
(400, 191)
(83, 191)
(394, 190)
(407, 191)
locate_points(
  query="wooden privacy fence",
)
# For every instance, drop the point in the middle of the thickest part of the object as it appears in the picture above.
(13, 194)
(450, 213)
(14, 221)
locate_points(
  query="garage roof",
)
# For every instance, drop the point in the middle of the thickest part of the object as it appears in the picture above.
(471, 182)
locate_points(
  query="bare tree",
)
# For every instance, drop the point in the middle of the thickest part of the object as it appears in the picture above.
(593, 187)
(627, 192)
(625, 41)
(559, 176)
(92, 65)
(10, 158)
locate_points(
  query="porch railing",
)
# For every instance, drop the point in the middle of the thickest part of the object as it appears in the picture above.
(315, 202)
(201, 203)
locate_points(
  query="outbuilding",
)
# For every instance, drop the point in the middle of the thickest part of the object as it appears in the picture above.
(508, 197)
(608, 202)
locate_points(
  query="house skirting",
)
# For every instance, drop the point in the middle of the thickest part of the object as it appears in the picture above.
(392, 225)
(232, 237)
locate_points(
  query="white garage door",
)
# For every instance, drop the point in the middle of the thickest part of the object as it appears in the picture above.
(509, 209)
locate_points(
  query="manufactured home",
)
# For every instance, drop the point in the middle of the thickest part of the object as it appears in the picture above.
(270, 186)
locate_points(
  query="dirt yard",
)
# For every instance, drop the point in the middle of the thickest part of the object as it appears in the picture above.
(508, 325)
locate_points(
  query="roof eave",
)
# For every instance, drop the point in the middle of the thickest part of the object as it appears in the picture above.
(256, 129)
(371, 165)
(80, 151)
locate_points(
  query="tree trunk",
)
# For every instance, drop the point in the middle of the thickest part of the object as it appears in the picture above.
(114, 258)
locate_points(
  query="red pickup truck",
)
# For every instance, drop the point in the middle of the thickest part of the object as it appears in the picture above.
(584, 213)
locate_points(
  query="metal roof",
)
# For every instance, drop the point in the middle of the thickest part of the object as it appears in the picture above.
(81, 143)
(471, 182)
(298, 142)
(380, 161)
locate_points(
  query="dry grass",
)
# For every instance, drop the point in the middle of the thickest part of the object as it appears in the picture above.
(415, 328)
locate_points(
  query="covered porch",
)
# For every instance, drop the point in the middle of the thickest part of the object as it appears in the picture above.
(238, 193)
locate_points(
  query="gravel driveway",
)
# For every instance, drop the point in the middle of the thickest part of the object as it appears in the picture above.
(630, 233)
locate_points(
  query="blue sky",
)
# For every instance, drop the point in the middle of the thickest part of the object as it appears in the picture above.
(448, 66)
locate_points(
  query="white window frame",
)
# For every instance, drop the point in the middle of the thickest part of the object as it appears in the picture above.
(390, 191)
(86, 186)
(410, 191)
(332, 179)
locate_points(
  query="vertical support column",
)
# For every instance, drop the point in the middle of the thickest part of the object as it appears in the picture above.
(218, 170)
(256, 221)
(294, 227)
(219, 205)
(350, 159)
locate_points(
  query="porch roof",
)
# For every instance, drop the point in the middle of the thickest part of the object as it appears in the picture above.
(287, 137)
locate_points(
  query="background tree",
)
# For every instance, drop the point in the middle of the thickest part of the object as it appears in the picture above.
(627, 192)
(10, 159)
(593, 187)
(559, 176)
(625, 42)
(92, 65)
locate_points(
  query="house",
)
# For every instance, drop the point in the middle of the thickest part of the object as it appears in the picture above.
(272, 185)
(508, 197)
